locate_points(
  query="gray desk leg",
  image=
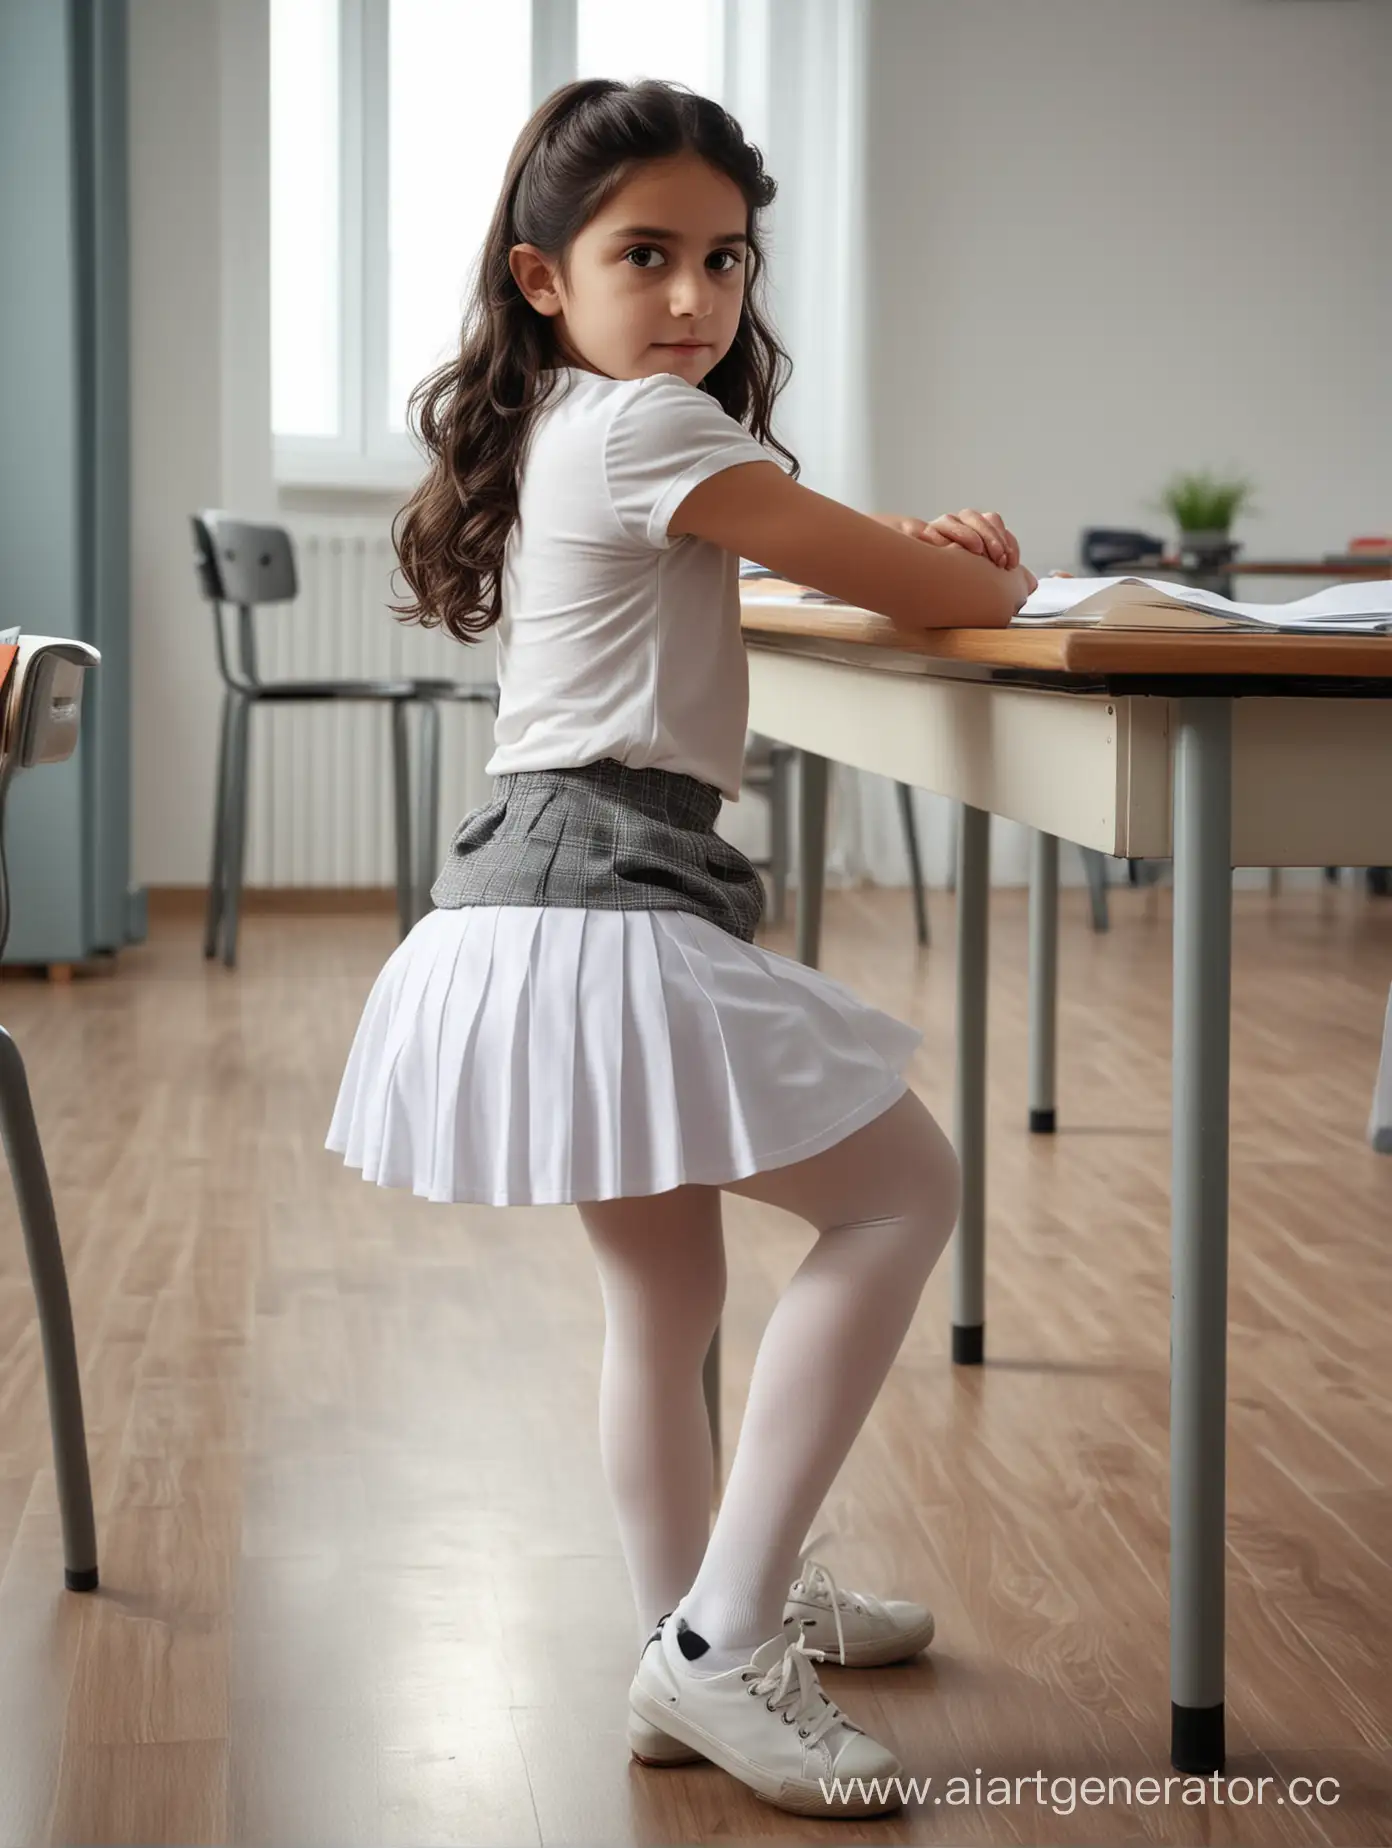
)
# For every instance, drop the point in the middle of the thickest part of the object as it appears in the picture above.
(812, 818)
(1199, 1227)
(1043, 982)
(969, 1245)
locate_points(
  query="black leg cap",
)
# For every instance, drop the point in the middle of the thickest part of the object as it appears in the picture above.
(80, 1581)
(968, 1345)
(1043, 1122)
(1196, 1739)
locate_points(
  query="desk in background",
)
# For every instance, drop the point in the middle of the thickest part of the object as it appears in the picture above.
(1358, 566)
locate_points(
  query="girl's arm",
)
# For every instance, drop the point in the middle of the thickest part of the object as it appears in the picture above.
(757, 511)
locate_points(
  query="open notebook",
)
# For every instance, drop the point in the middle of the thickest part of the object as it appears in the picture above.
(1156, 603)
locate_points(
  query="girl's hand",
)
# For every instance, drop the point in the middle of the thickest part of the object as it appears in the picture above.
(983, 533)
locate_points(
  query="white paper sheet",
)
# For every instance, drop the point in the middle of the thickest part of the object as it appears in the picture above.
(1364, 606)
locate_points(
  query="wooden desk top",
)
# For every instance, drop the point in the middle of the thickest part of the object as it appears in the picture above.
(1092, 653)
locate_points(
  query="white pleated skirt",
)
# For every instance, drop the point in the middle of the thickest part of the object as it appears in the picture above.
(535, 1055)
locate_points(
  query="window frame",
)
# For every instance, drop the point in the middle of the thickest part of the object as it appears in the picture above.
(366, 454)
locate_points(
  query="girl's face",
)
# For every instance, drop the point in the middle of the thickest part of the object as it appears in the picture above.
(655, 281)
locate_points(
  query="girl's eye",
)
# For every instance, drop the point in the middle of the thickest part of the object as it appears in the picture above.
(648, 256)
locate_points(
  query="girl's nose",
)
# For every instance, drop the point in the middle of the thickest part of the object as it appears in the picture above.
(692, 294)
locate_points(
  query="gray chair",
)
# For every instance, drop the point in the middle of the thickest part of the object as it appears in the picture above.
(768, 769)
(39, 713)
(248, 565)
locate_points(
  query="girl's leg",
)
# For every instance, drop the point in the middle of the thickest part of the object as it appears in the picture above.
(662, 1277)
(884, 1202)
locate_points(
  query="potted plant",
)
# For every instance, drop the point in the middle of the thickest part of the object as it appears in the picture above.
(1203, 506)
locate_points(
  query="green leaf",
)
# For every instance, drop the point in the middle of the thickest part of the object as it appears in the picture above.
(1200, 501)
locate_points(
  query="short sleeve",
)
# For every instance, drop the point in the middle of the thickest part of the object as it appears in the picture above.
(662, 441)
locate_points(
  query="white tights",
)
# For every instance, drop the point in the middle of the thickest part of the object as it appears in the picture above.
(883, 1202)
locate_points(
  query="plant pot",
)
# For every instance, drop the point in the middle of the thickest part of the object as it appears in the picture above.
(1208, 550)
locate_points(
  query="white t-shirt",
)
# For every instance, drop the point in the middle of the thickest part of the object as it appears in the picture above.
(616, 640)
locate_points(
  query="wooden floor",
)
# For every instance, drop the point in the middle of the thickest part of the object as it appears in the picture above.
(360, 1578)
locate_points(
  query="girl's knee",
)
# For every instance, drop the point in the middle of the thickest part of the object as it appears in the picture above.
(919, 1164)
(945, 1170)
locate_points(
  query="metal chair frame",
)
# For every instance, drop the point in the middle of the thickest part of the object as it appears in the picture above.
(768, 770)
(43, 730)
(245, 566)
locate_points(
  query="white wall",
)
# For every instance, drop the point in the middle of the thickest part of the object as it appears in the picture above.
(1113, 238)
(1103, 239)
(200, 385)
(1109, 239)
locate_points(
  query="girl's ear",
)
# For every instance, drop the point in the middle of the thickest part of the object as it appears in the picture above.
(534, 275)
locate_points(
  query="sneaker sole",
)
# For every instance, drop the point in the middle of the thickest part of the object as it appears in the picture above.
(800, 1796)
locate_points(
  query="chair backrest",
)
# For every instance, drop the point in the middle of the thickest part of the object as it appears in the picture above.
(40, 711)
(244, 564)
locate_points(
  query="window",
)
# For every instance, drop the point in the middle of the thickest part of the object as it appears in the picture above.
(459, 89)
(305, 271)
(391, 123)
(679, 40)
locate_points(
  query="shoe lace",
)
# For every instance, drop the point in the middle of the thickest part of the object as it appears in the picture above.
(791, 1688)
(816, 1581)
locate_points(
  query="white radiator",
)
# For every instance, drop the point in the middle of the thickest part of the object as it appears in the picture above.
(320, 811)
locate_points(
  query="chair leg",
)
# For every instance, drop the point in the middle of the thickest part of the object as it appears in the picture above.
(428, 809)
(1095, 866)
(955, 828)
(780, 795)
(814, 782)
(235, 866)
(401, 801)
(45, 1254)
(906, 815)
(217, 877)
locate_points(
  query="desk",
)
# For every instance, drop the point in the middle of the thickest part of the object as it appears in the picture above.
(1347, 565)
(1213, 749)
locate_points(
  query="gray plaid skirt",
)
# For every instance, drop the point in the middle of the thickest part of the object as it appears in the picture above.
(604, 837)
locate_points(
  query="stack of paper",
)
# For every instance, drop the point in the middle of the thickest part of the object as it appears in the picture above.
(1132, 602)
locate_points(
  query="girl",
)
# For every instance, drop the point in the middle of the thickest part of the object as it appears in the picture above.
(585, 1016)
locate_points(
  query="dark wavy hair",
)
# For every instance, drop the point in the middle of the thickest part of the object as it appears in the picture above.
(473, 414)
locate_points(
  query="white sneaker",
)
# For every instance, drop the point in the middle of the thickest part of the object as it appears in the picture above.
(768, 1723)
(870, 1631)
